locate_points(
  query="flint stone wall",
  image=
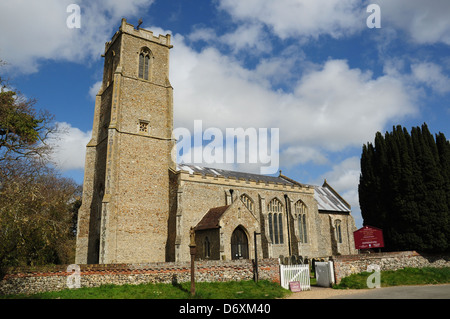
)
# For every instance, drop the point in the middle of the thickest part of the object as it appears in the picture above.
(30, 280)
(351, 264)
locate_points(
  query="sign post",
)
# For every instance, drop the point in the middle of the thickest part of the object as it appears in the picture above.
(368, 237)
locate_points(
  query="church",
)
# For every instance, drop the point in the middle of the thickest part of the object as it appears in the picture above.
(139, 206)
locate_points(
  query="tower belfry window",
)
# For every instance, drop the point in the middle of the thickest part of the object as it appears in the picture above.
(144, 63)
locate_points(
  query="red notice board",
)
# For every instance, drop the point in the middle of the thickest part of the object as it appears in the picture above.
(368, 237)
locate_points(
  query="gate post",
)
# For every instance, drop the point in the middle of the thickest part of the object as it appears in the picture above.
(256, 274)
(193, 250)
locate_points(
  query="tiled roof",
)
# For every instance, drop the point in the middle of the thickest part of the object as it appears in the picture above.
(211, 218)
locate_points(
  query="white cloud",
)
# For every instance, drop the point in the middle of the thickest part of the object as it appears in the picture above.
(69, 147)
(248, 37)
(345, 175)
(294, 155)
(300, 18)
(35, 30)
(336, 106)
(331, 107)
(426, 22)
(93, 90)
(432, 75)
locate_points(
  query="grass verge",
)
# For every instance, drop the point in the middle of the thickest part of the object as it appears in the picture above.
(401, 277)
(204, 290)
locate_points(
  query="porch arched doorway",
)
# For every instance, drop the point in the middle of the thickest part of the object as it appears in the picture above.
(239, 244)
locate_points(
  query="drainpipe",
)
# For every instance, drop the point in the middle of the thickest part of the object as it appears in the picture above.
(288, 210)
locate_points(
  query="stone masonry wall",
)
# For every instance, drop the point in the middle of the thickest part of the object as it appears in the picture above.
(29, 280)
(351, 264)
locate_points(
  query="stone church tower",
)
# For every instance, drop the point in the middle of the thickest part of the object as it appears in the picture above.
(125, 209)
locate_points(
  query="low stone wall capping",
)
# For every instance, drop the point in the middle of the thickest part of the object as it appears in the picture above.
(30, 280)
(351, 264)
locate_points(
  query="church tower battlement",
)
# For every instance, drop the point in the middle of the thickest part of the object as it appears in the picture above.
(125, 203)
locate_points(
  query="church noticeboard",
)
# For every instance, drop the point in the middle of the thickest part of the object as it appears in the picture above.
(294, 286)
(368, 237)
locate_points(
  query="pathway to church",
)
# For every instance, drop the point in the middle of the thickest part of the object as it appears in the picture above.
(322, 293)
(399, 292)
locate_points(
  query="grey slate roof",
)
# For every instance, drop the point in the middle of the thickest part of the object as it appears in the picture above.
(232, 174)
(327, 198)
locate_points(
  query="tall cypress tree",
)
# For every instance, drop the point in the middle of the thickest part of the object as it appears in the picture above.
(443, 146)
(433, 219)
(405, 188)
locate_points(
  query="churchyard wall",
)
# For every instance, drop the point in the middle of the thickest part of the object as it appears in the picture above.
(29, 280)
(346, 265)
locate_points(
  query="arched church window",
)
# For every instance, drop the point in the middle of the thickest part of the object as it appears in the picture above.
(275, 209)
(247, 202)
(300, 211)
(144, 63)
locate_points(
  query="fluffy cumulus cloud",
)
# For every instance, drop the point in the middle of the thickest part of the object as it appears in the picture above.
(69, 147)
(300, 18)
(344, 176)
(40, 31)
(425, 22)
(332, 106)
(432, 76)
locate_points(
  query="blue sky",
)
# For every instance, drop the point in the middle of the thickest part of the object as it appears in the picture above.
(313, 69)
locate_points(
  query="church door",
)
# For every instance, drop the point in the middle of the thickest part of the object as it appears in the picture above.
(239, 244)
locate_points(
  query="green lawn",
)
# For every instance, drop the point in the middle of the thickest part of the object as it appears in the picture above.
(204, 290)
(401, 277)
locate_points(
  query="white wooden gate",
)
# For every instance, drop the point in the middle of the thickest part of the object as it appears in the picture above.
(290, 273)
